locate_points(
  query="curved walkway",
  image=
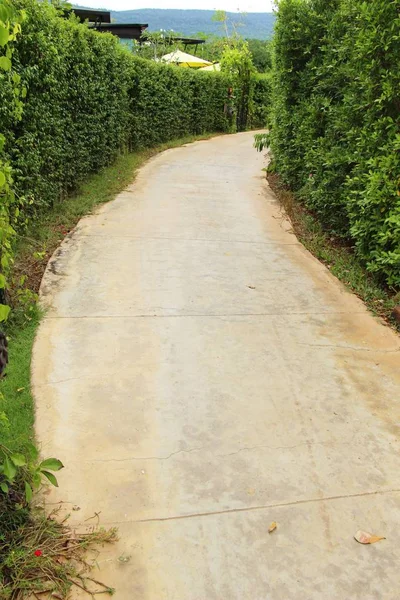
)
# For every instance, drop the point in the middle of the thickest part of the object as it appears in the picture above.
(201, 375)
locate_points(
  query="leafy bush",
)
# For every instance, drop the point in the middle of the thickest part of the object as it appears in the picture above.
(261, 54)
(237, 64)
(335, 119)
(10, 111)
(168, 102)
(19, 471)
(261, 100)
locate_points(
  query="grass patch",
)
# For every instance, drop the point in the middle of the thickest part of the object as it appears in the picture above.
(336, 255)
(16, 401)
(44, 558)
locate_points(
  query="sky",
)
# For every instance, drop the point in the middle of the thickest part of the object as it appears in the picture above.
(229, 5)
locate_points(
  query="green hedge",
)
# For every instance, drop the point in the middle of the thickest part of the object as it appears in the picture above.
(88, 98)
(336, 119)
(261, 100)
(168, 102)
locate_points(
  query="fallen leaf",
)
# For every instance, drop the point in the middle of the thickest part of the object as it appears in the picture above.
(272, 527)
(363, 537)
(252, 287)
(20, 389)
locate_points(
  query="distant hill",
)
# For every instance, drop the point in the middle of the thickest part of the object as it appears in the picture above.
(191, 22)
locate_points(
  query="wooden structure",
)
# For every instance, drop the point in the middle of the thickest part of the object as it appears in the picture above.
(185, 41)
(101, 20)
(125, 31)
(93, 16)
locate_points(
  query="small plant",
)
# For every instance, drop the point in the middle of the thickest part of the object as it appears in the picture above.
(40, 555)
(18, 471)
(261, 141)
(44, 558)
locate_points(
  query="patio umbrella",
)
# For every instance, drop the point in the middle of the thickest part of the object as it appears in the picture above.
(185, 60)
(214, 67)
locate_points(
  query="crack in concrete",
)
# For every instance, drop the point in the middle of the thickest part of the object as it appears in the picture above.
(357, 349)
(176, 239)
(210, 315)
(243, 449)
(104, 460)
(250, 448)
(95, 376)
(255, 508)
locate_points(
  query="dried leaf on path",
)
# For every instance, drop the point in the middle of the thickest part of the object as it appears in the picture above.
(272, 527)
(363, 537)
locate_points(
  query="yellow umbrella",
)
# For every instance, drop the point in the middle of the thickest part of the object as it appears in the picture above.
(214, 67)
(185, 60)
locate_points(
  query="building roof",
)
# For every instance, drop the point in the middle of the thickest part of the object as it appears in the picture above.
(126, 31)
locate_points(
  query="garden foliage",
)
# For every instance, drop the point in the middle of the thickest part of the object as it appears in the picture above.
(335, 121)
(237, 64)
(261, 100)
(11, 93)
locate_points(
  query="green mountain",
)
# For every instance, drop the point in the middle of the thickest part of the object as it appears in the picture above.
(191, 22)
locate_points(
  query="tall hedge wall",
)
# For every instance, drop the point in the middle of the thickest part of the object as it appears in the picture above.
(336, 119)
(261, 100)
(88, 98)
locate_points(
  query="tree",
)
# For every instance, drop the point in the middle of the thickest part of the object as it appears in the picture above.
(156, 43)
(261, 52)
(237, 63)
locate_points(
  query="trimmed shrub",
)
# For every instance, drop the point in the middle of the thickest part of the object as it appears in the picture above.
(88, 98)
(261, 100)
(335, 133)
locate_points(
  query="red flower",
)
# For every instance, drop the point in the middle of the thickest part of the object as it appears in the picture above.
(38, 553)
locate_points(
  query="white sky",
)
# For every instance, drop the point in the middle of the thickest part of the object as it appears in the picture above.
(229, 5)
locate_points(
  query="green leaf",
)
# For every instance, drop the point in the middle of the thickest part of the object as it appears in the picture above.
(2, 179)
(18, 460)
(10, 469)
(53, 464)
(33, 452)
(5, 63)
(6, 12)
(2, 278)
(36, 480)
(4, 35)
(4, 312)
(51, 478)
(28, 492)
(4, 487)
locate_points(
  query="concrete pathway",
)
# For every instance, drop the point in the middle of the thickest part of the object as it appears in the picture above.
(201, 375)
